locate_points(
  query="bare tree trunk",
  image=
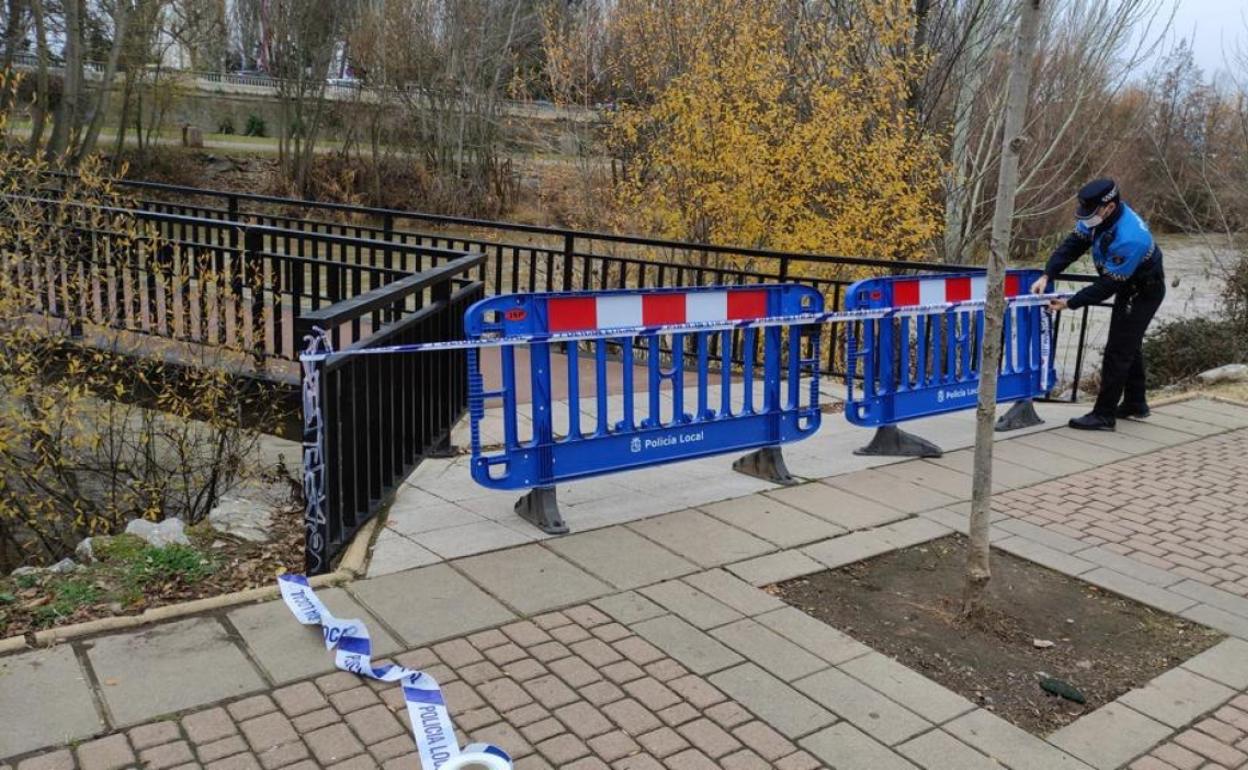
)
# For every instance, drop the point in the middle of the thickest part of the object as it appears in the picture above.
(12, 34)
(308, 152)
(156, 120)
(922, 10)
(66, 120)
(121, 18)
(140, 138)
(39, 110)
(127, 93)
(978, 572)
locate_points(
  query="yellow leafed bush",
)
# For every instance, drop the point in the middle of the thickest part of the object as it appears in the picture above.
(754, 123)
(98, 426)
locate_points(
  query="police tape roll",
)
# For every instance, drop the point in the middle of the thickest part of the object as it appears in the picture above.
(476, 756)
(426, 710)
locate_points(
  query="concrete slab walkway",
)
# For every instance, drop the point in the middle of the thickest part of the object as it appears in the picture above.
(649, 644)
(439, 513)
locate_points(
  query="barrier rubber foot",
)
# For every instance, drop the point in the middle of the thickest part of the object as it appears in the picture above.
(766, 464)
(891, 441)
(540, 508)
(1021, 415)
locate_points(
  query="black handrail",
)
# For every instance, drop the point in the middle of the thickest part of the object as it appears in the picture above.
(558, 266)
(381, 414)
(386, 296)
(383, 213)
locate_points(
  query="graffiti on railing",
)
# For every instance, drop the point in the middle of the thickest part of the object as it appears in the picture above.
(316, 346)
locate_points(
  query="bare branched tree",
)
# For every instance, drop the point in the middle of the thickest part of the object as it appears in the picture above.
(303, 36)
(245, 28)
(121, 18)
(199, 28)
(39, 107)
(1089, 54)
(447, 66)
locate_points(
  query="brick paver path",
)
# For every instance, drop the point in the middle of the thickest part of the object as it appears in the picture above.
(1217, 741)
(1179, 509)
(569, 689)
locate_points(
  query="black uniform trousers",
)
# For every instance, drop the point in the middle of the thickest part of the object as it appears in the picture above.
(1122, 369)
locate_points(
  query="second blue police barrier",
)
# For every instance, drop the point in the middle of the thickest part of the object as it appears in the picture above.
(913, 366)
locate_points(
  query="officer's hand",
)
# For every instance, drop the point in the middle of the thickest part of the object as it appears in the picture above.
(1057, 305)
(1041, 284)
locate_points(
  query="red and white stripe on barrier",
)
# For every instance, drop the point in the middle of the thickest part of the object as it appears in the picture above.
(613, 311)
(936, 291)
(603, 332)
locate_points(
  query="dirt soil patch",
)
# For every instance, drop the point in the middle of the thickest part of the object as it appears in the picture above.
(905, 604)
(130, 576)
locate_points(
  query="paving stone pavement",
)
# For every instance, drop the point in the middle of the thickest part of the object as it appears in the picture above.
(1219, 740)
(1180, 510)
(651, 645)
(569, 689)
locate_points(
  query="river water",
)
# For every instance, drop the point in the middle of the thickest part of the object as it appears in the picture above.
(1196, 268)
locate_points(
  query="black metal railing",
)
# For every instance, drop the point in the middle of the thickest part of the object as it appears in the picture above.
(382, 413)
(530, 258)
(213, 282)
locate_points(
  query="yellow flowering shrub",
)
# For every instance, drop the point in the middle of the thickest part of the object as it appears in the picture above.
(751, 124)
(99, 422)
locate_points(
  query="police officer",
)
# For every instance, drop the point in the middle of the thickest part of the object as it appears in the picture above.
(1128, 266)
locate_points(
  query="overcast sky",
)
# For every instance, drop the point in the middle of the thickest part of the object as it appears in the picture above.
(1214, 26)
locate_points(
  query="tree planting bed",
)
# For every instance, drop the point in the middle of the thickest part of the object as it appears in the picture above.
(906, 604)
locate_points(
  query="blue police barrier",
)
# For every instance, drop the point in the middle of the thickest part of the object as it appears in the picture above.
(921, 364)
(627, 421)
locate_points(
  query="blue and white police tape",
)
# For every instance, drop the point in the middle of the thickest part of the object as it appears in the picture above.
(1046, 350)
(431, 722)
(801, 319)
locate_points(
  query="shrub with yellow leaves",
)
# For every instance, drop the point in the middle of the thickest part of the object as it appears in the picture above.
(758, 123)
(101, 420)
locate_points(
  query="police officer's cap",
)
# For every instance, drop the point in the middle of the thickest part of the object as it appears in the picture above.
(1095, 194)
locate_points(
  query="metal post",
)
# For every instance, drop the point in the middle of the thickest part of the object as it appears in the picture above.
(1083, 340)
(387, 232)
(568, 250)
(387, 257)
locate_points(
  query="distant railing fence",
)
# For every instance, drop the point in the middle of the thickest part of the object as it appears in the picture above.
(334, 89)
(531, 258)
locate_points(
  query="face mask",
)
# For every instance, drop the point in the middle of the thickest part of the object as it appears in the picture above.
(1092, 221)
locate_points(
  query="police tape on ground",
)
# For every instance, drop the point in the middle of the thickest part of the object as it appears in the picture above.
(426, 710)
